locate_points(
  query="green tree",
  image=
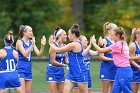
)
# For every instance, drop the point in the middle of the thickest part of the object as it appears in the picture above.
(122, 12)
(35, 13)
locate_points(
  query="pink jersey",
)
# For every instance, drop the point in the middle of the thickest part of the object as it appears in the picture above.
(120, 56)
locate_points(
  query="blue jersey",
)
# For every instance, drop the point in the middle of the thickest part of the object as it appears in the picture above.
(107, 69)
(136, 72)
(60, 57)
(8, 73)
(77, 69)
(87, 61)
(106, 64)
(56, 73)
(24, 63)
(137, 53)
(9, 62)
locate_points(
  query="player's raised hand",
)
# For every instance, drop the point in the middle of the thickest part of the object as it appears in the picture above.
(51, 39)
(33, 40)
(43, 41)
(90, 41)
(100, 42)
(93, 39)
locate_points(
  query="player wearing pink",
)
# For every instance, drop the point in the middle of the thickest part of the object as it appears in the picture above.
(120, 57)
(120, 52)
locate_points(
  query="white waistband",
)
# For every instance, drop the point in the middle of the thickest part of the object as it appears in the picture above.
(7, 71)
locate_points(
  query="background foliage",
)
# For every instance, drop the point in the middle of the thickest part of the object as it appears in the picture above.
(44, 15)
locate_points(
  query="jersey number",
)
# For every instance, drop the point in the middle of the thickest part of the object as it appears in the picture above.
(10, 65)
(29, 57)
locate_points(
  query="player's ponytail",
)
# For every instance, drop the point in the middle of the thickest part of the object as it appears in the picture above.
(75, 30)
(121, 33)
(9, 39)
(22, 29)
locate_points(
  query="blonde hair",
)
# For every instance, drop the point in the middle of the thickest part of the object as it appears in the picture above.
(108, 26)
(135, 31)
(81, 36)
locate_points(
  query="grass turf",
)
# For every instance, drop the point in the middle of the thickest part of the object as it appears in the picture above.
(39, 75)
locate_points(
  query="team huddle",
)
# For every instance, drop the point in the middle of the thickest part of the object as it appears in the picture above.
(119, 69)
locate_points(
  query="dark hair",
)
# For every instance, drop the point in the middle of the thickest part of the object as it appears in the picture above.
(75, 30)
(9, 39)
(22, 28)
(56, 29)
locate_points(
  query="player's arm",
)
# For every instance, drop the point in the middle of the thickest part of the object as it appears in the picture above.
(53, 56)
(102, 57)
(93, 53)
(2, 53)
(87, 49)
(66, 58)
(15, 53)
(102, 50)
(38, 52)
(19, 46)
(135, 58)
(66, 48)
(41, 51)
(132, 50)
(102, 43)
(135, 64)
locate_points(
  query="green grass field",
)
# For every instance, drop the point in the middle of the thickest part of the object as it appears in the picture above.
(39, 76)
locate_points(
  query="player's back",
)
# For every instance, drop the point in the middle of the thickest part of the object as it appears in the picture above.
(9, 62)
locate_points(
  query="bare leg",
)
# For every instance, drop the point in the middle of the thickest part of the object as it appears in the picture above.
(19, 90)
(76, 90)
(111, 85)
(83, 87)
(89, 90)
(105, 86)
(28, 86)
(68, 86)
(52, 87)
(23, 85)
(135, 87)
(3, 91)
(60, 87)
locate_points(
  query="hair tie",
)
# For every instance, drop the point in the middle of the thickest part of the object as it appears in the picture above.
(8, 37)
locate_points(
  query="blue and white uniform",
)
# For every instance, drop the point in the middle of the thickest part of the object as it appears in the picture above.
(8, 74)
(77, 69)
(24, 63)
(56, 73)
(136, 72)
(87, 64)
(107, 69)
